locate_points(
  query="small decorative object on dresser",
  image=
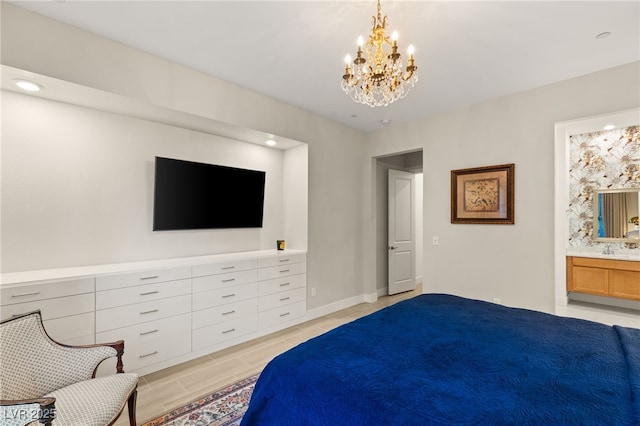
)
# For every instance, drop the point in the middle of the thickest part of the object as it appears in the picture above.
(483, 195)
(280, 244)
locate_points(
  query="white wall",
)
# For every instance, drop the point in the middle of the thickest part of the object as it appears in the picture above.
(77, 187)
(335, 171)
(514, 263)
(296, 210)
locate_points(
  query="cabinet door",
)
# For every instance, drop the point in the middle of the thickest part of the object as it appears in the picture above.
(53, 308)
(223, 268)
(212, 282)
(48, 290)
(141, 293)
(110, 282)
(281, 284)
(123, 316)
(625, 284)
(282, 260)
(223, 296)
(590, 280)
(281, 271)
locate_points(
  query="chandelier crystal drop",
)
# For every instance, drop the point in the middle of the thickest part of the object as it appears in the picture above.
(378, 76)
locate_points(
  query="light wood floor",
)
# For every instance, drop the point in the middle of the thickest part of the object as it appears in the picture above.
(173, 387)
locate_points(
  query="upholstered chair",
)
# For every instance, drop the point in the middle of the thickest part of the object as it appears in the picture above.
(45, 382)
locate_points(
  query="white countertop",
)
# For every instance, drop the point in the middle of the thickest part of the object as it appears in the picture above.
(115, 268)
(620, 254)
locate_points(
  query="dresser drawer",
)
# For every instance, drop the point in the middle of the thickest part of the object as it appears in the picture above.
(109, 282)
(70, 329)
(222, 268)
(152, 342)
(219, 333)
(211, 282)
(223, 296)
(123, 316)
(274, 317)
(223, 313)
(281, 284)
(53, 308)
(282, 259)
(141, 293)
(281, 271)
(284, 298)
(49, 290)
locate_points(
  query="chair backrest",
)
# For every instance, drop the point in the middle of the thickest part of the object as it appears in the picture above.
(32, 364)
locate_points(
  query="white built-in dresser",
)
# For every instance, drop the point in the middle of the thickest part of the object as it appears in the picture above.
(167, 311)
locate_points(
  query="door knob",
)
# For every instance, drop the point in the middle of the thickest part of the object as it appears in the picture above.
(392, 247)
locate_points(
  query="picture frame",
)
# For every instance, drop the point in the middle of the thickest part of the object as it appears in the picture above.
(483, 195)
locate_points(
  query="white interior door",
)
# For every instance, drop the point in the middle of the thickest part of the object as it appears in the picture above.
(401, 245)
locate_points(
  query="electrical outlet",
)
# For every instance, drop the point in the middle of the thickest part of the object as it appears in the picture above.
(313, 291)
(436, 241)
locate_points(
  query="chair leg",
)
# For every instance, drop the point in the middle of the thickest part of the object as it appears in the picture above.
(132, 407)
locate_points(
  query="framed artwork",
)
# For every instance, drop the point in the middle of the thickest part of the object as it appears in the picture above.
(483, 195)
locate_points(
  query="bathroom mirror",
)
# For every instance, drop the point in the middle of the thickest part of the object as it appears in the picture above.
(615, 215)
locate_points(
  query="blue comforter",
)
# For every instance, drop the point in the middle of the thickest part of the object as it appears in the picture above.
(444, 360)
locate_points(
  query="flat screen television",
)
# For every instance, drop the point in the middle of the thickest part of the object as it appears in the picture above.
(190, 195)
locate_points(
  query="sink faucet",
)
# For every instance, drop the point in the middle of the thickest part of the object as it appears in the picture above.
(607, 250)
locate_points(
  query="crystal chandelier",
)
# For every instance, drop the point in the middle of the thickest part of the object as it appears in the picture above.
(379, 78)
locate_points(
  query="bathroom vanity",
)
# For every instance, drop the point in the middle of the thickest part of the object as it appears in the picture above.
(602, 276)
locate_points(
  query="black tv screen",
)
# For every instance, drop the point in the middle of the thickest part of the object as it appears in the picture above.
(191, 195)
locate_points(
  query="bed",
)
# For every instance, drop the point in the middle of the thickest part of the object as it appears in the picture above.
(440, 359)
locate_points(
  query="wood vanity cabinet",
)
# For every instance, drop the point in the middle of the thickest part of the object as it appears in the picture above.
(604, 277)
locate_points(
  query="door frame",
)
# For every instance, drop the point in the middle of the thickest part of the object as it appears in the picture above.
(375, 239)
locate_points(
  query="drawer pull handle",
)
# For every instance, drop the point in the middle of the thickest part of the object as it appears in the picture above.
(33, 293)
(149, 278)
(148, 312)
(228, 267)
(284, 298)
(149, 293)
(229, 313)
(149, 332)
(229, 331)
(285, 314)
(284, 260)
(146, 355)
(284, 270)
(284, 284)
(228, 295)
(229, 280)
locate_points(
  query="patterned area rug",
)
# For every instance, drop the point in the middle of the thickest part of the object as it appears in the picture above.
(224, 407)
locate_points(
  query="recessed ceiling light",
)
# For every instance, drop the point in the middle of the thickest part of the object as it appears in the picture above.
(385, 122)
(609, 127)
(270, 142)
(27, 85)
(603, 35)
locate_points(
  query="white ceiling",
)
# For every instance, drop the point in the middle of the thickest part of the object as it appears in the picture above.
(466, 51)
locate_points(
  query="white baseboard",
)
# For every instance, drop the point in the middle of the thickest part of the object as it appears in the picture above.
(335, 306)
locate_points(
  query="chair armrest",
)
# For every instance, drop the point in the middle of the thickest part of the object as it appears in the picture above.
(118, 346)
(25, 411)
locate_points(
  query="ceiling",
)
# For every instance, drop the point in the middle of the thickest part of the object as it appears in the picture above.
(466, 51)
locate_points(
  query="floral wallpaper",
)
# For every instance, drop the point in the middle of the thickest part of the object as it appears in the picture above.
(606, 159)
